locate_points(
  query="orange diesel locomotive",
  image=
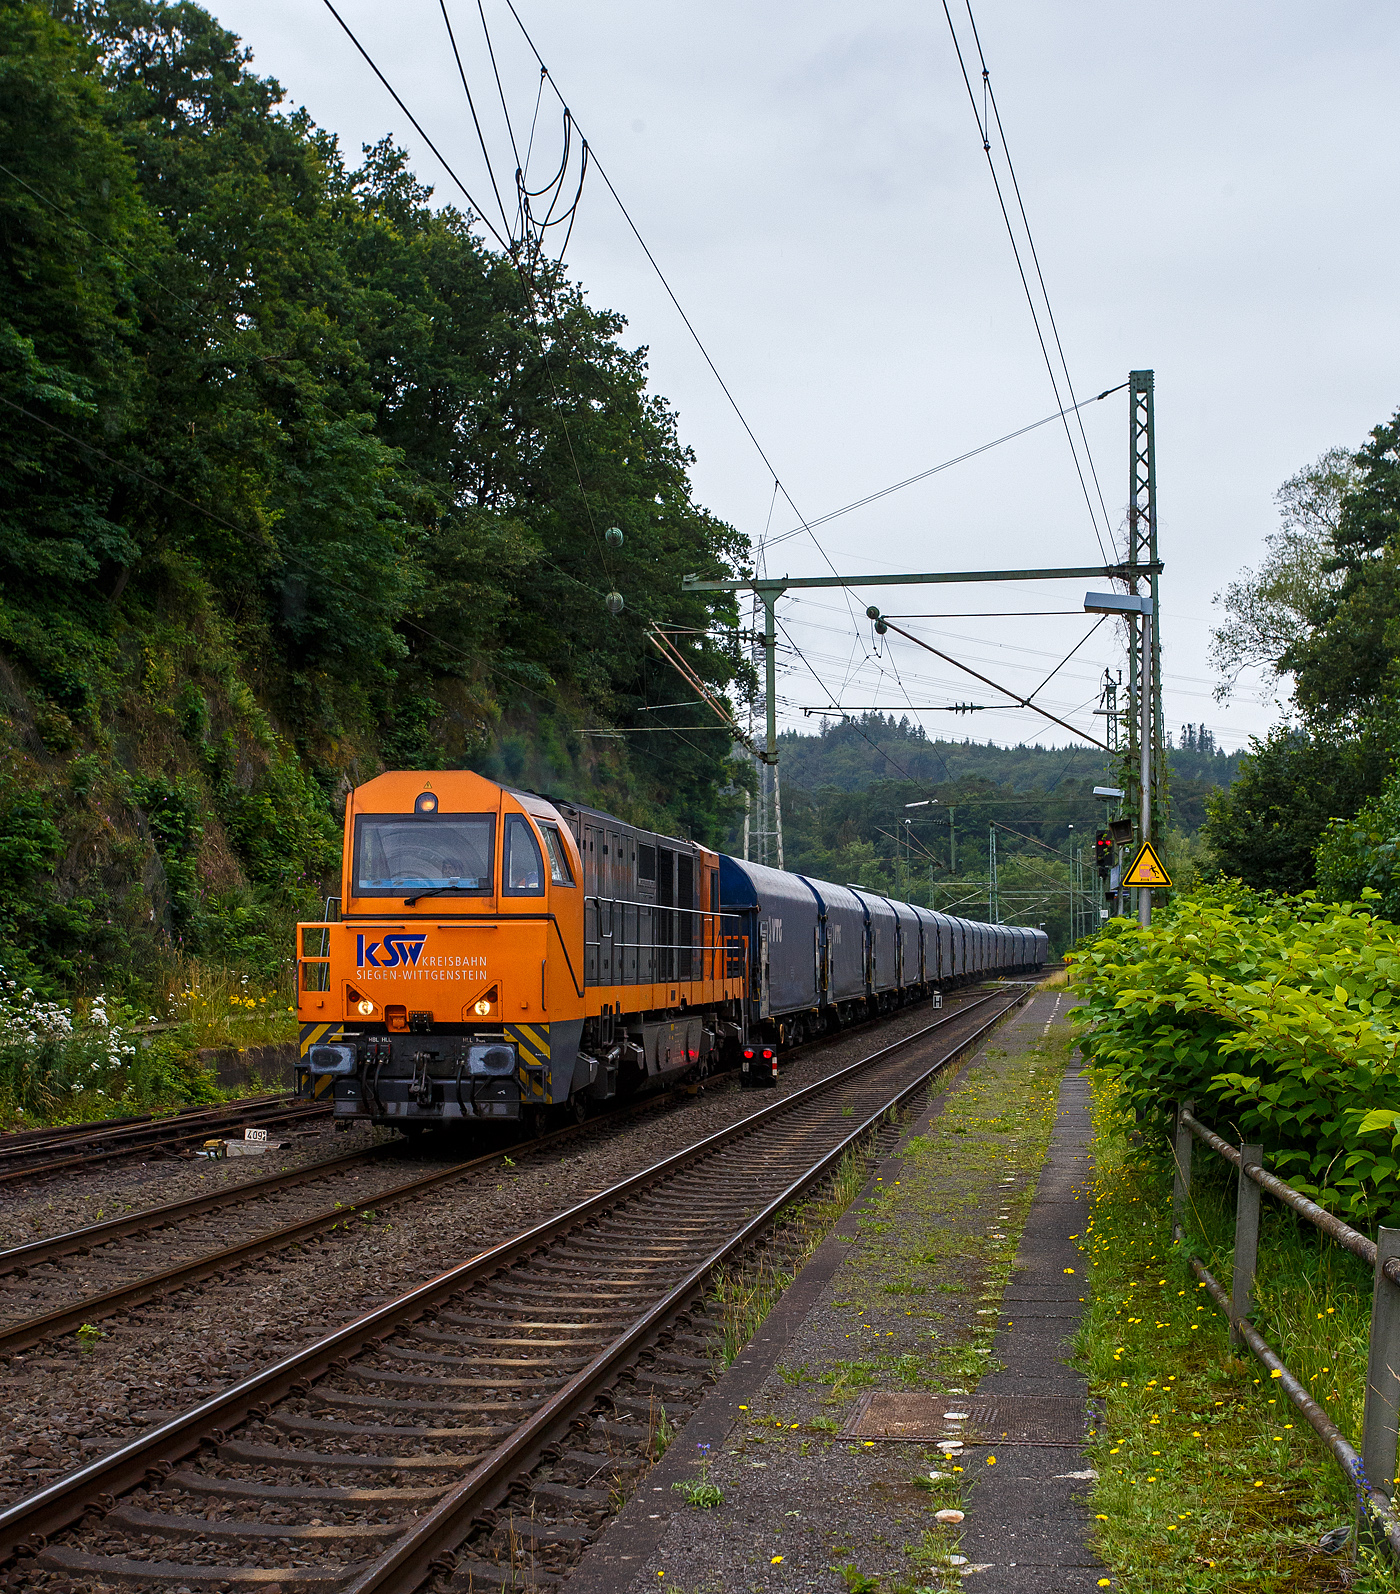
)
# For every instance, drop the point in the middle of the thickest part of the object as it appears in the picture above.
(499, 956)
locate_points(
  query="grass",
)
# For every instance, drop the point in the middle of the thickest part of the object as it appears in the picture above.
(1208, 1479)
(216, 1006)
(745, 1297)
(701, 1493)
(703, 1496)
(660, 1430)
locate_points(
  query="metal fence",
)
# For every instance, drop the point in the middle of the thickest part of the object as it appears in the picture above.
(1372, 1471)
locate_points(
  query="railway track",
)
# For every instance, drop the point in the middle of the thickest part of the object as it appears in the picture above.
(35, 1153)
(400, 1446)
(47, 1285)
(43, 1270)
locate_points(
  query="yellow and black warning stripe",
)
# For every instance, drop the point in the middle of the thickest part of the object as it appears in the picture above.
(311, 1035)
(532, 1041)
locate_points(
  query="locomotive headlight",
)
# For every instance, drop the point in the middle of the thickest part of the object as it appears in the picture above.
(366, 1006)
(483, 1008)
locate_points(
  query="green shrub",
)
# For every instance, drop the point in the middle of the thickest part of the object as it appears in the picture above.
(1279, 1016)
(1364, 852)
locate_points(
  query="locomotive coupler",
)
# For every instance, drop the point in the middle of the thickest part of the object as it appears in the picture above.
(422, 1085)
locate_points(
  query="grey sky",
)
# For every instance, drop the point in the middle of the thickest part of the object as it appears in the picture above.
(1212, 190)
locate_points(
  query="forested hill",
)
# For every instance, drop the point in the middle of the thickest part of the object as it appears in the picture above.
(297, 480)
(853, 754)
(846, 815)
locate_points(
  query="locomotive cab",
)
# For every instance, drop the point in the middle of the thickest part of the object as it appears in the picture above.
(446, 989)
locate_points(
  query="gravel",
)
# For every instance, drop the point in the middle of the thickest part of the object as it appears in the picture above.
(64, 1405)
(53, 1205)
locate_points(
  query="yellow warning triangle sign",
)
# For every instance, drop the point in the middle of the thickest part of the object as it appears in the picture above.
(1147, 869)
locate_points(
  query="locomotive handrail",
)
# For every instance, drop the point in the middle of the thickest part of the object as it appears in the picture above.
(705, 944)
(659, 907)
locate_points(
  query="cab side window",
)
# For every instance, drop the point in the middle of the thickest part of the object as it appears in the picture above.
(524, 868)
(559, 872)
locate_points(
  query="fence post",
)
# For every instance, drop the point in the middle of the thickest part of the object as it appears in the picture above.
(1246, 1243)
(1181, 1182)
(1380, 1423)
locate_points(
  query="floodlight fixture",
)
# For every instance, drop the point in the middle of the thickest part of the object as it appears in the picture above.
(1117, 603)
(1109, 793)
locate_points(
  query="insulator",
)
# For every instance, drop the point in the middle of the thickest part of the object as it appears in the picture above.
(614, 602)
(613, 537)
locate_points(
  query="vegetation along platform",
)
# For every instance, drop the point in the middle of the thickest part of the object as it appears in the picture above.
(796, 1471)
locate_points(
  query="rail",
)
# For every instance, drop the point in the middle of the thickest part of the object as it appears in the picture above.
(1380, 1427)
(763, 1147)
(39, 1152)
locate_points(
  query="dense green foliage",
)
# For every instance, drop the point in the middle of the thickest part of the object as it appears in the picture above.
(1345, 666)
(298, 481)
(1265, 828)
(1363, 853)
(1324, 610)
(1280, 1018)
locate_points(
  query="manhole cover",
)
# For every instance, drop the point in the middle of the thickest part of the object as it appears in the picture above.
(974, 1419)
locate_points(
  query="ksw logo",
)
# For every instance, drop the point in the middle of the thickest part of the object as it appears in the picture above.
(391, 953)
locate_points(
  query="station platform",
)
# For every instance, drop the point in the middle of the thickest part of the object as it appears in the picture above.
(936, 1313)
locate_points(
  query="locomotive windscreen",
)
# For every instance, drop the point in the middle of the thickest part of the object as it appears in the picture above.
(429, 852)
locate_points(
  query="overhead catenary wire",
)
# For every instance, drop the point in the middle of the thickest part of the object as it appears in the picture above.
(1040, 276)
(1025, 284)
(476, 120)
(442, 160)
(990, 614)
(987, 681)
(500, 87)
(516, 250)
(947, 464)
(855, 724)
(671, 294)
(546, 75)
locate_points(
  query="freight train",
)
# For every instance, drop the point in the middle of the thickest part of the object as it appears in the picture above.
(500, 956)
